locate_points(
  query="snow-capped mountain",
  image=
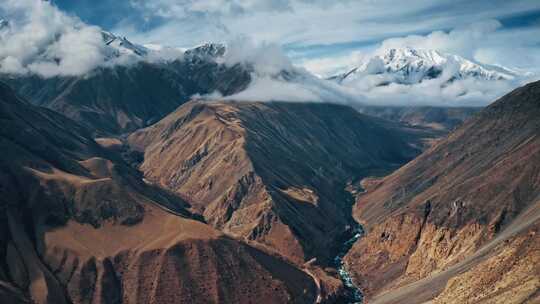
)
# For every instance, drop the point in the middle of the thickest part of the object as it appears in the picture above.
(208, 49)
(412, 66)
(119, 46)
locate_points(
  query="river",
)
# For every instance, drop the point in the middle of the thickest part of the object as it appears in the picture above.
(354, 295)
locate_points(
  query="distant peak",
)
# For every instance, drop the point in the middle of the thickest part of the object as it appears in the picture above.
(208, 49)
(122, 45)
(408, 65)
(395, 53)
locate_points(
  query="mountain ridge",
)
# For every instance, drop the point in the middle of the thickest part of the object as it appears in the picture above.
(254, 169)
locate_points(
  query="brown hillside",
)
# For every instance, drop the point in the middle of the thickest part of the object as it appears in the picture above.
(271, 172)
(77, 225)
(460, 222)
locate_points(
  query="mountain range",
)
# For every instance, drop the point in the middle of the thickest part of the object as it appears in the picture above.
(122, 98)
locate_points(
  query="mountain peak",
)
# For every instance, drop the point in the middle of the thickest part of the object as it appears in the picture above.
(409, 53)
(122, 46)
(208, 49)
(409, 66)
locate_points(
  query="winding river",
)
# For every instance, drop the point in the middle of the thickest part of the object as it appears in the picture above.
(354, 295)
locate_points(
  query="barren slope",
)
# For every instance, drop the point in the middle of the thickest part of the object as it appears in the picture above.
(271, 172)
(79, 226)
(468, 204)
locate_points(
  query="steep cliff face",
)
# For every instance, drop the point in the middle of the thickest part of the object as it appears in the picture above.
(468, 202)
(77, 225)
(271, 172)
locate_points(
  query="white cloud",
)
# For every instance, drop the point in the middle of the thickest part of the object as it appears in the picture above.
(480, 42)
(485, 42)
(266, 58)
(463, 92)
(43, 40)
(275, 78)
(461, 40)
(330, 66)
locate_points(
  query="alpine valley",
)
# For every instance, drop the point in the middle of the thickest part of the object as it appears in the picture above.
(174, 175)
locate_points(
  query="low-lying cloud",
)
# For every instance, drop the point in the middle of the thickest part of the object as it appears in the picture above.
(275, 78)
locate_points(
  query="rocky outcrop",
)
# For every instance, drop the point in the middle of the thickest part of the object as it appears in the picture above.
(460, 206)
(274, 173)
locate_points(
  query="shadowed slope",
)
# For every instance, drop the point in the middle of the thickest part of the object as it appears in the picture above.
(445, 214)
(121, 99)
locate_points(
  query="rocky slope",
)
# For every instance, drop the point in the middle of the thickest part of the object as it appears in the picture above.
(274, 173)
(468, 204)
(79, 226)
(122, 98)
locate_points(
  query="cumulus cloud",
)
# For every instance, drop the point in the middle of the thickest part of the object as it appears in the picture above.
(63, 44)
(44, 40)
(333, 65)
(265, 58)
(39, 38)
(461, 40)
(301, 88)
